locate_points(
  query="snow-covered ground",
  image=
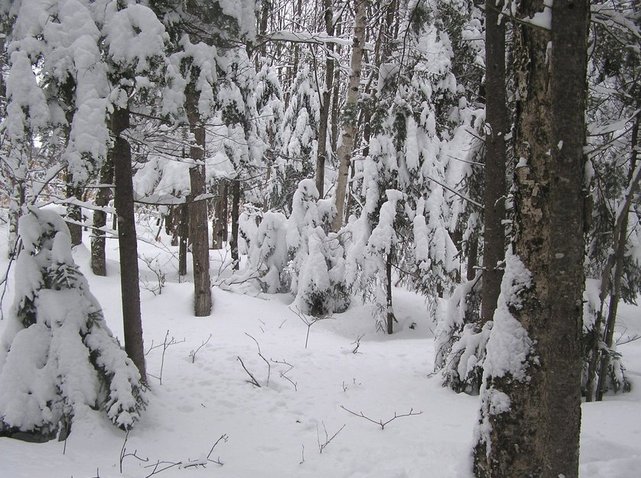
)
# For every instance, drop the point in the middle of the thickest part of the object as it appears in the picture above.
(298, 422)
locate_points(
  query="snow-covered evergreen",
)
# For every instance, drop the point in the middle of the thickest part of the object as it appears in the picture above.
(58, 358)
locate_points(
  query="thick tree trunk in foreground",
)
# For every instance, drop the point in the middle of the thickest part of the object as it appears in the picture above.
(496, 116)
(127, 241)
(530, 412)
(350, 116)
(198, 230)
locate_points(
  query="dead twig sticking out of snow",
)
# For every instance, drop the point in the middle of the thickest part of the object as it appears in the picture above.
(302, 455)
(309, 320)
(124, 454)
(328, 439)
(357, 343)
(154, 266)
(260, 354)
(380, 422)
(166, 343)
(284, 374)
(192, 354)
(163, 465)
(252, 379)
(224, 437)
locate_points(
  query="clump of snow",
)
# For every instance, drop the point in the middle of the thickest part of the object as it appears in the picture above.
(509, 346)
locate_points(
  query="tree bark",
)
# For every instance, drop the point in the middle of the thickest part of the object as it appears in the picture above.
(198, 230)
(496, 115)
(389, 317)
(613, 276)
(74, 213)
(538, 433)
(98, 259)
(235, 214)
(219, 229)
(350, 116)
(321, 157)
(183, 238)
(127, 241)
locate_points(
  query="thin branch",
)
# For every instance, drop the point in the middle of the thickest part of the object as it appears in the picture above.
(380, 422)
(252, 380)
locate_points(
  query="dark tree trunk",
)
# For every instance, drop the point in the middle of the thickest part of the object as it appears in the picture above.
(198, 230)
(127, 241)
(472, 258)
(74, 214)
(321, 157)
(537, 434)
(389, 311)
(611, 283)
(183, 238)
(219, 223)
(496, 115)
(235, 214)
(98, 260)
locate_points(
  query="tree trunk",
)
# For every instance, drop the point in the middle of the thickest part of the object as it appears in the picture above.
(98, 259)
(183, 238)
(321, 157)
(350, 115)
(530, 412)
(198, 230)
(219, 229)
(496, 115)
(127, 241)
(613, 275)
(390, 318)
(74, 213)
(235, 214)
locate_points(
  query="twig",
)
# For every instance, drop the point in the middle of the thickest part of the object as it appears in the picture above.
(193, 353)
(380, 422)
(328, 439)
(124, 454)
(224, 437)
(357, 343)
(252, 380)
(309, 321)
(284, 374)
(260, 354)
(302, 455)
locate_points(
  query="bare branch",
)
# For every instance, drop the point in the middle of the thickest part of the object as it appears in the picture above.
(380, 422)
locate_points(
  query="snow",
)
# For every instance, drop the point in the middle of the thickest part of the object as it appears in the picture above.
(272, 429)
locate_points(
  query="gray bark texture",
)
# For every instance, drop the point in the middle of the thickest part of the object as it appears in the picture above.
(198, 230)
(539, 435)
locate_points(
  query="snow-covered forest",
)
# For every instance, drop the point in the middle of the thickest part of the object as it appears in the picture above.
(355, 238)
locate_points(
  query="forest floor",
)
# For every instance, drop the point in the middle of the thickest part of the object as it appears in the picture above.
(305, 418)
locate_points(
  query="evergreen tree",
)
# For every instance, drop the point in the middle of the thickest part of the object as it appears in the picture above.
(58, 358)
